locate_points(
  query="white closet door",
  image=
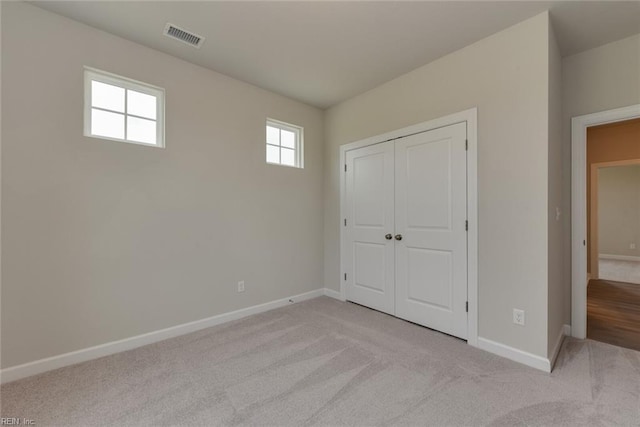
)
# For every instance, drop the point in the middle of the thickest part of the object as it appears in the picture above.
(431, 257)
(370, 217)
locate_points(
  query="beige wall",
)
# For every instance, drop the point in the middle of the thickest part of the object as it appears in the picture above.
(104, 240)
(619, 210)
(556, 226)
(596, 80)
(506, 77)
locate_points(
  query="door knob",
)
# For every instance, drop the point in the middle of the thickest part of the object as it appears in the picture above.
(388, 237)
(398, 236)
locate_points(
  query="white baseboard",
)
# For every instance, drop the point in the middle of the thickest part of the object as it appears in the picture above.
(529, 359)
(565, 331)
(524, 357)
(332, 294)
(50, 363)
(619, 257)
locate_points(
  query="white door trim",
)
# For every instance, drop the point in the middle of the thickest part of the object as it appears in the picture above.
(579, 281)
(469, 116)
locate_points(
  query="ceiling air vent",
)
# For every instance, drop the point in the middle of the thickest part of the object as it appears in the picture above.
(183, 35)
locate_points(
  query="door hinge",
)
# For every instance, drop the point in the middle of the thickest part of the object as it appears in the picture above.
(345, 276)
(345, 222)
(345, 168)
(466, 145)
(466, 225)
(467, 306)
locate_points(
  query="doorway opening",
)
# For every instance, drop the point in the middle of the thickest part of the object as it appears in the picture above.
(614, 210)
(613, 293)
(606, 257)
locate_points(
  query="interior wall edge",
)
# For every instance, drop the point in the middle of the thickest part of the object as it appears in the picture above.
(558, 345)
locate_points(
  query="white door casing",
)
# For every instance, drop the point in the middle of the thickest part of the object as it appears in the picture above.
(470, 119)
(369, 194)
(431, 214)
(405, 214)
(579, 280)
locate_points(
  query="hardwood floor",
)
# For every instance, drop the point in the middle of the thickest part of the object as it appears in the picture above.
(613, 313)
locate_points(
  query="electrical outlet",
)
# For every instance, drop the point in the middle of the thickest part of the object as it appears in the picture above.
(518, 317)
(241, 286)
(632, 245)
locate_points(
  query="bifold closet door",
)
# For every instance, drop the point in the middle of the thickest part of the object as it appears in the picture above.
(430, 217)
(370, 221)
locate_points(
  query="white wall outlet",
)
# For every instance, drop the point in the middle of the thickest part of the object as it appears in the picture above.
(518, 317)
(632, 245)
(241, 286)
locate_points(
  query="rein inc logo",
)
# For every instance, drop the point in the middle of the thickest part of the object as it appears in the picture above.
(7, 421)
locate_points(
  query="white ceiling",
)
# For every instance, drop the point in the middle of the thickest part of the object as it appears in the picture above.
(324, 52)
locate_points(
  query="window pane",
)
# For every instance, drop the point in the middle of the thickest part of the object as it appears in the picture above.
(288, 139)
(141, 104)
(107, 96)
(288, 157)
(273, 154)
(273, 135)
(107, 124)
(141, 130)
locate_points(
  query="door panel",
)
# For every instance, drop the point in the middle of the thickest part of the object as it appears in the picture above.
(370, 216)
(428, 206)
(369, 263)
(431, 258)
(368, 190)
(437, 266)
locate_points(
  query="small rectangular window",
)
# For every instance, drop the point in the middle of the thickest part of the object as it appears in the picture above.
(284, 144)
(121, 109)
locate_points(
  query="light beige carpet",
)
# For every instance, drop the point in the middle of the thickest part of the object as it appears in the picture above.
(324, 362)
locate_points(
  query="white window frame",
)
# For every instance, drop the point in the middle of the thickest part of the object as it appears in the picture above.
(298, 131)
(92, 74)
